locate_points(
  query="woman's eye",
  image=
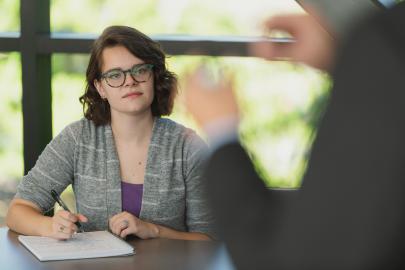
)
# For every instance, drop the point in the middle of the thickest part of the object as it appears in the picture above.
(141, 70)
(136, 72)
(114, 75)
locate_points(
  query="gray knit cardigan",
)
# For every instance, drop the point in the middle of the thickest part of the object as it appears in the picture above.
(85, 156)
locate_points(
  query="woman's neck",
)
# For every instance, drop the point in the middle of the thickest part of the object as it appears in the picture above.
(132, 128)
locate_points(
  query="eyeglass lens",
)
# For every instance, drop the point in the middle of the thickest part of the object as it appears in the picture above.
(139, 73)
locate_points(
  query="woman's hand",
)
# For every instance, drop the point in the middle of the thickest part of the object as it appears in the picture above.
(63, 224)
(125, 223)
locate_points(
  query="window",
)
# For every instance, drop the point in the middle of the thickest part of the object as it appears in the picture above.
(153, 17)
(9, 16)
(11, 142)
(279, 100)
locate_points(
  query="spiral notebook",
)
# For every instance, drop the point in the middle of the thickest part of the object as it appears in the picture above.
(80, 246)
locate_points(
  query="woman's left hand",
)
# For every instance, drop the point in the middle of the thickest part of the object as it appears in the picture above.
(124, 223)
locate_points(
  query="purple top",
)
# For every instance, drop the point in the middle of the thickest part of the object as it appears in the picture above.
(131, 195)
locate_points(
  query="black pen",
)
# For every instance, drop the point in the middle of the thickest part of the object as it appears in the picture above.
(56, 197)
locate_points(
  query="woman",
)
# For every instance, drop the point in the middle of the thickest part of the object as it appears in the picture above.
(132, 172)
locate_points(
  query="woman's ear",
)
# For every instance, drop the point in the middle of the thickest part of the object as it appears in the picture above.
(100, 89)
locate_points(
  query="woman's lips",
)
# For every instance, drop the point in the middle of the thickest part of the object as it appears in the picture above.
(134, 94)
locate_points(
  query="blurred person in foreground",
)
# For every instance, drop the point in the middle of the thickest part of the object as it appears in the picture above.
(350, 212)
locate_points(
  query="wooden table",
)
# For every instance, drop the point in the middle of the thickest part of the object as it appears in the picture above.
(150, 254)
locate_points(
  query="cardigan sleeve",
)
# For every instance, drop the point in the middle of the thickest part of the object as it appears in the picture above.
(54, 169)
(198, 214)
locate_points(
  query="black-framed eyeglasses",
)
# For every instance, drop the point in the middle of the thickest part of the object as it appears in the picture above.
(139, 73)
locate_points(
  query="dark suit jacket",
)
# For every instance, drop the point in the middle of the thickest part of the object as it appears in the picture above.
(350, 212)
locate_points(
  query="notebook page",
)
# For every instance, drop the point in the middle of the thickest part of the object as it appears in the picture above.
(81, 245)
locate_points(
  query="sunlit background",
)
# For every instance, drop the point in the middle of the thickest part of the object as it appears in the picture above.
(281, 102)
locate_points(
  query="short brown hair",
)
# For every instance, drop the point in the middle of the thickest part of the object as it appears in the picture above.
(165, 82)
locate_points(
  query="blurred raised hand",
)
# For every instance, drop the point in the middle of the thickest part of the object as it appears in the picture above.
(313, 44)
(209, 97)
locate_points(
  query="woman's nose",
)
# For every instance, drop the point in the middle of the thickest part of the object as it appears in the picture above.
(129, 80)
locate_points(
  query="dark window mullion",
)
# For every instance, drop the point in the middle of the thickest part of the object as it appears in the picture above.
(172, 44)
(36, 80)
(9, 42)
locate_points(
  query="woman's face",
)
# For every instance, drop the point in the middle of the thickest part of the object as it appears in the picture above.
(126, 94)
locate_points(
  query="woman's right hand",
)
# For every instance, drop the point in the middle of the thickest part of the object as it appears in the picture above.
(63, 224)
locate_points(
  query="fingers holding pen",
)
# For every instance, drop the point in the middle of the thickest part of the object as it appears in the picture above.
(82, 218)
(71, 217)
(63, 224)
